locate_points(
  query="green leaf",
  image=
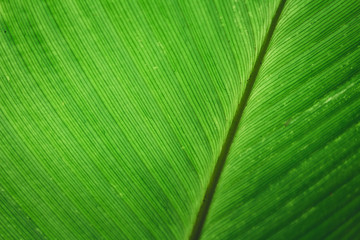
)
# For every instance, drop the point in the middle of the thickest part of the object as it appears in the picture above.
(174, 119)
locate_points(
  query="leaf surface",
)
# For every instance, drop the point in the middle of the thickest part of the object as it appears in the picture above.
(113, 115)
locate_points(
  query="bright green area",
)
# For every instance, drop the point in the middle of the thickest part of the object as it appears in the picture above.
(113, 114)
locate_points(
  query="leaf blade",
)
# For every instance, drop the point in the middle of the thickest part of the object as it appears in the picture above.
(89, 98)
(272, 200)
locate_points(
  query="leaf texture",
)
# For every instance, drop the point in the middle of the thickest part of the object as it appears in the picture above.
(113, 115)
(293, 168)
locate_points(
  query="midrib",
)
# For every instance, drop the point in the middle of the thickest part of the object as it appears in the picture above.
(205, 206)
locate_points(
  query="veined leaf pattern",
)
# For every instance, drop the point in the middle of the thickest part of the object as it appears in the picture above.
(114, 115)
